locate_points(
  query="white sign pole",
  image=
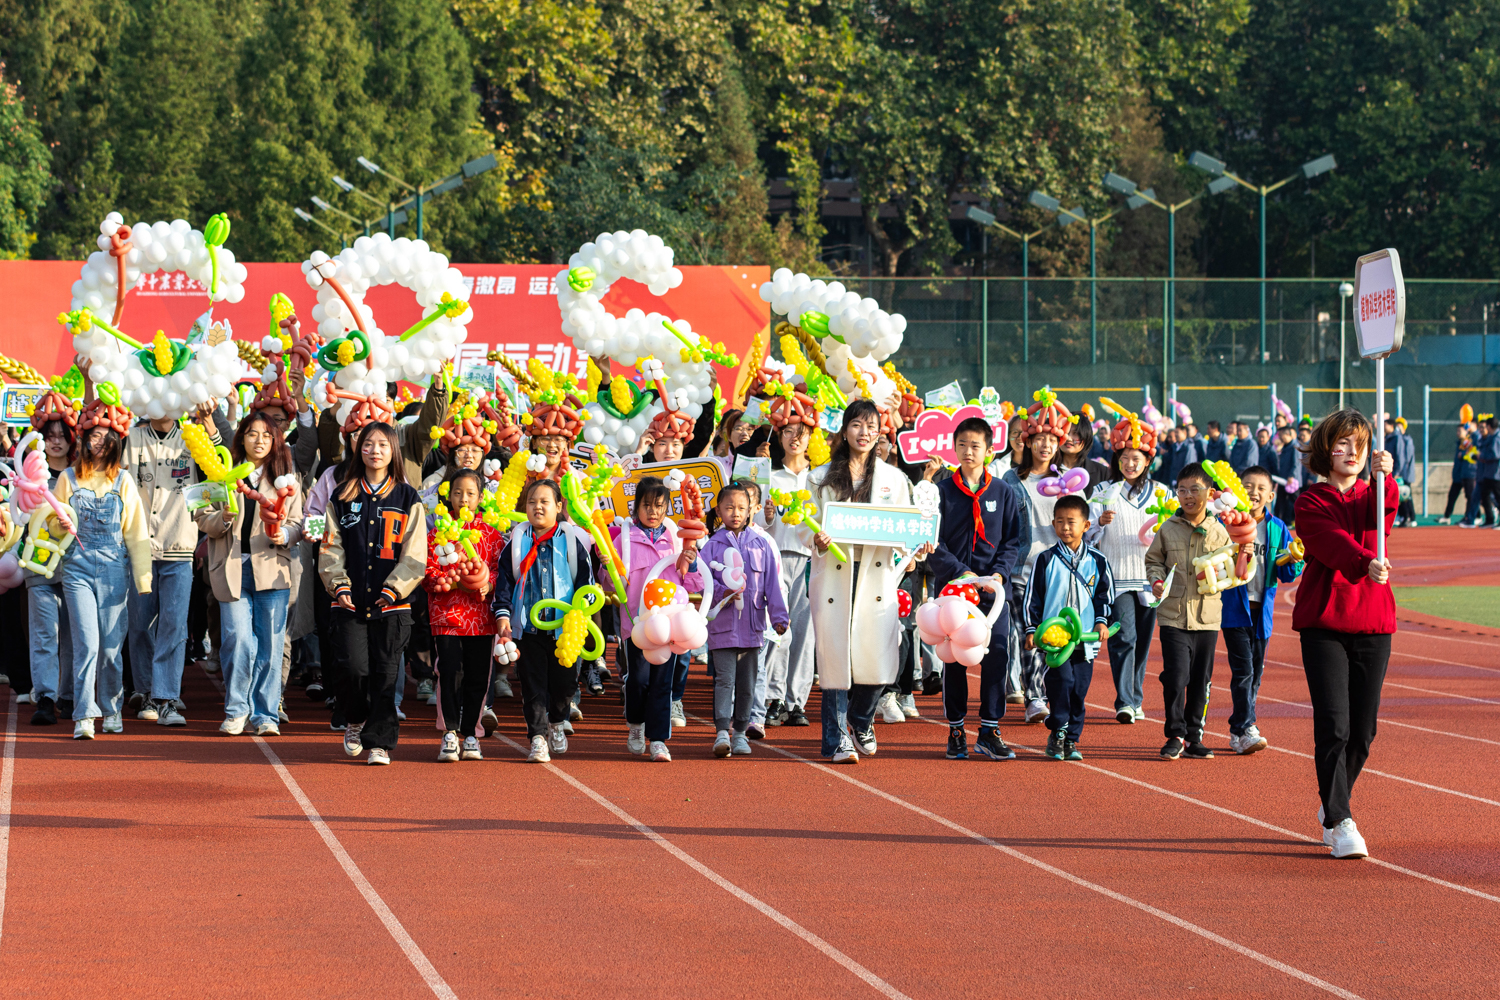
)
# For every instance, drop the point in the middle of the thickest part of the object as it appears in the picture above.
(1379, 322)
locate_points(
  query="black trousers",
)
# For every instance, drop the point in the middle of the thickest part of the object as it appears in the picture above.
(368, 652)
(1345, 672)
(648, 692)
(1067, 689)
(546, 685)
(1486, 495)
(1460, 488)
(328, 639)
(463, 674)
(992, 671)
(1187, 669)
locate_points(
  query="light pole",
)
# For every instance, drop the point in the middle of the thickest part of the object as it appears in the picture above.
(984, 218)
(385, 206)
(1345, 290)
(1047, 203)
(422, 192)
(1224, 180)
(1135, 198)
(324, 206)
(308, 217)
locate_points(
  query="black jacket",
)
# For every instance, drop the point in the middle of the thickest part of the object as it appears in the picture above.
(958, 551)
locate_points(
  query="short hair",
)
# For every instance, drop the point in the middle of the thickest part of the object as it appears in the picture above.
(454, 475)
(975, 425)
(1195, 470)
(1344, 423)
(1257, 470)
(1213, 425)
(1071, 501)
(649, 489)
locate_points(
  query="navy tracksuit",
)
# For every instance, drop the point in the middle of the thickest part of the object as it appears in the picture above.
(1080, 580)
(959, 551)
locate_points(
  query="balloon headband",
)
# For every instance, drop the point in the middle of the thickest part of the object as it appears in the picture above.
(555, 409)
(366, 409)
(55, 406)
(105, 411)
(475, 422)
(1133, 432)
(1048, 416)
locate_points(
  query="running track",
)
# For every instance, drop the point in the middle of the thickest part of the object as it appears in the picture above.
(182, 863)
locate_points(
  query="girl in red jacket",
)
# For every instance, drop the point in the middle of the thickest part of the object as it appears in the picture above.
(1345, 613)
(458, 607)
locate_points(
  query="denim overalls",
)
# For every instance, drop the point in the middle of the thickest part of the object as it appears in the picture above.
(95, 585)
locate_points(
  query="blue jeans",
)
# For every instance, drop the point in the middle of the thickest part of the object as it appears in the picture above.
(843, 710)
(158, 629)
(47, 620)
(1128, 648)
(252, 631)
(1247, 660)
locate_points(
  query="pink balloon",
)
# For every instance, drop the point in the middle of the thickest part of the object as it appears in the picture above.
(658, 629)
(1146, 534)
(931, 638)
(974, 632)
(659, 655)
(11, 574)
(927, 620)
(952, 615)
(944, 651)
(969, 656)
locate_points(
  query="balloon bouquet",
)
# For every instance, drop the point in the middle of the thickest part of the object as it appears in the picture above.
(1232, 565)
(43, 538)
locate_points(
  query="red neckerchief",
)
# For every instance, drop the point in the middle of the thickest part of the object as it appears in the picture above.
(958, 479)
(536, 546)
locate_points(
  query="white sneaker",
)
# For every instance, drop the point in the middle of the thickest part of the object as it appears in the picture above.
(740, 745)
(83, 729)
(168, 715)
(846, 754)
(489, 721)
(502, 688)
(679, 716)
(113, 724)
(866, 742)
(233, 726)
(567, 726)
(635, 742)
(721, 744)
(427, 691)
(890, 709)
(1327, 834)
(1251, 742)
(281, 715)
(1140, 714)
(268, 729)
(557, 740)
(352, 745)
(378, 757)
(471, 750)
(400, 715)
(1346, 842)
(28, 698)
(659, 752)
(448, 752)
(1036, 710)
(575, 714)
(908, 703)
(539, 754)
(148, 712)
(1445, 520)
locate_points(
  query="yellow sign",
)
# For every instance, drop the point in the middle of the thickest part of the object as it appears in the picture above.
(708, 473)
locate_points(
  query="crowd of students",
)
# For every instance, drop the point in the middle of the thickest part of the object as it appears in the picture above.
(354, 609)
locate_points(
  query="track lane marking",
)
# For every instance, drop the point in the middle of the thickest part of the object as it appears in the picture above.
(766, 909)
(1262, 696)
(1390, 683)
(7, 786)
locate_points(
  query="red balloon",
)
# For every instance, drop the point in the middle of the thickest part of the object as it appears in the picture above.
(967, 591)
(903, 603)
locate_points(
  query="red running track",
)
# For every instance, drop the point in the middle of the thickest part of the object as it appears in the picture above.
(183, 863)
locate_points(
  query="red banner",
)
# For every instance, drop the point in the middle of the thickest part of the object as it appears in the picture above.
(515, 309)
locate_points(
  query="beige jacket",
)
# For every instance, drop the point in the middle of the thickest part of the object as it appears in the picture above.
(162, 467)
(1177, 544)
(273, 566)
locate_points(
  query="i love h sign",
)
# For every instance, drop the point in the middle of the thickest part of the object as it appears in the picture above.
(932, 434)
(1379, 303)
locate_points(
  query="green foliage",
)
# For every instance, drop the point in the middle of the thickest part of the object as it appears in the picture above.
(24, 161)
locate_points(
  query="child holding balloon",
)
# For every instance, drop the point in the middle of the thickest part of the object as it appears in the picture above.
(747, 572)
(545, 560)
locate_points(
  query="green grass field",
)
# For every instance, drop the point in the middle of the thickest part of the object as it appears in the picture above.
(1476, 605)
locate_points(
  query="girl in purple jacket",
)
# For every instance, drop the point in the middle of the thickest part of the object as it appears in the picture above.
(746, 565)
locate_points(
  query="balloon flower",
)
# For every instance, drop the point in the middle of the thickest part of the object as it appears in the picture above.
(506, 652)
(903, 603)
(733, 571)
(955, 628)
(581, 499)
(1163, 508)
(576, 624)
(1058, 636)
(1066, 481)
(667, 624)
(214, 461)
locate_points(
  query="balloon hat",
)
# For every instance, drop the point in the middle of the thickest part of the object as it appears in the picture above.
(1047, 416)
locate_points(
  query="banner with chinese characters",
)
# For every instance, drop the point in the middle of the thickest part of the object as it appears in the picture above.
(708, 473)
(869, 524)
(515, 309)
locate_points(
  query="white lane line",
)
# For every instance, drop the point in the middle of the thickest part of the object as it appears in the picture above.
(1262, 696)
(7, 785)
(1428, 635)
(774, 914)
(414, 954)
(1160, 914)
(1429, 658)
(1405, 687)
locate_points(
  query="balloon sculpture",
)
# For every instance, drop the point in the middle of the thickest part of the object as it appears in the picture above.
(1059, 635)
(40, 552)
(1233, 508)
(1066, 481)
(798, 507)
(733, 571)
(581, 498)
(453, 548)
(955, 628)
(272, 507)
(1163, 508)
(576, 624)
(1295, 552)
(666, 623)
(214, 461)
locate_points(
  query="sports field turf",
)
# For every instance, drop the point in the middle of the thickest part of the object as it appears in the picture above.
(1475, 605)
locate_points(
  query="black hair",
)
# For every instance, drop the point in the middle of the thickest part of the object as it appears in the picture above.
(1257, 470)
(838, 480)
(737, 486)
(454, 475)
(1085, 436)
(550, 484)
(1071, 501)
(1115, 475)
(1213, 425)
(648, 489)
(975, 425)
(1195, 470)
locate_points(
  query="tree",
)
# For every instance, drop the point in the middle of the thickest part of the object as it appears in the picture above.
(24, 162)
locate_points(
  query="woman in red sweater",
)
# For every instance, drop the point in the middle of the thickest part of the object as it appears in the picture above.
(1345, 613)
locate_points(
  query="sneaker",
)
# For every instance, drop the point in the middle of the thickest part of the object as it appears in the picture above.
(113, 724)
(557, 740)
(890, 709)
(400, 715)
(1346, 841)
(866, 742)
(502, 688)
(722, 747)
(1140, 714)
(575, 714)
(471, 750)
(427, 691)
(989, 744)
(908, 703)
(797, 717)
(378, 757)
(1465, 524)
(1327, 833)
(83, 729)
(774, 712)
(136, 699)
(594, 684)
(488, 721)
(233, 726)
(25, 698)
(168, 715)
(679, 715)
(315, 690)
(1445, 520)
(567, 727)
(65, 708)
(281, 715)
(1071, 751)
(45, 714)
(352, 745)
(1015, 698)
(337, 723)
(268, 729)
(539, 754)
(933, 684)
(1172, 749)
(1055, 741)
(1250, 741)
(1125, 716)
(211, 665)
(755, 732)
(846, 753)
(739, 746)
(1036, 711)
(958, 743)
(148, 712)
(448, 752)
(635, 741)
(1197, 750)
(659, 752)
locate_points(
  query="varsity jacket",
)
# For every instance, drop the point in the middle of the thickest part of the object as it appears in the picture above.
(960, 550)
(375, 544)
(1079, 580)
(162, 466)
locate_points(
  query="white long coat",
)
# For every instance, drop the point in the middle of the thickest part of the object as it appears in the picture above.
(858, 640)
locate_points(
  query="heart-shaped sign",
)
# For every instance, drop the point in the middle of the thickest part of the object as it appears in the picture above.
(928, 444)
(932, 434)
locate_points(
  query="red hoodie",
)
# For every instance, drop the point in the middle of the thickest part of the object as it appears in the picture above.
(1338, 530)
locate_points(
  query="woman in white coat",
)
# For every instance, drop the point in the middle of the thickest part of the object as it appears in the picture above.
(856, 621)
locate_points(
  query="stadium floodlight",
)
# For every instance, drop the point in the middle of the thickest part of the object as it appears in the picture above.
(373, 168)
(1141, 198)
(1045, 202)
(1220, 184)
(1115, 182)
(980, 216)
(344, 185)
(1321, 165)
(305, 217)
(1207, 164)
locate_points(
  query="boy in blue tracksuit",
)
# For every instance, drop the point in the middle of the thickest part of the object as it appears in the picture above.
(1070, 574)
(1248, 611)
(980, 535)
(1487, 476)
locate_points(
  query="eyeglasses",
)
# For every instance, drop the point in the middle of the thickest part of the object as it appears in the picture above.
(1191, 491)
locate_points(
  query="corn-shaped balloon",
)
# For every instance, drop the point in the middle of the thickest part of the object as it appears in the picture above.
(514, 478)
(202, 450)
(620, 395)
(818, 452)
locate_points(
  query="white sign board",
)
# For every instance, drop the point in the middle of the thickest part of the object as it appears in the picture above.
(1379, 303)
